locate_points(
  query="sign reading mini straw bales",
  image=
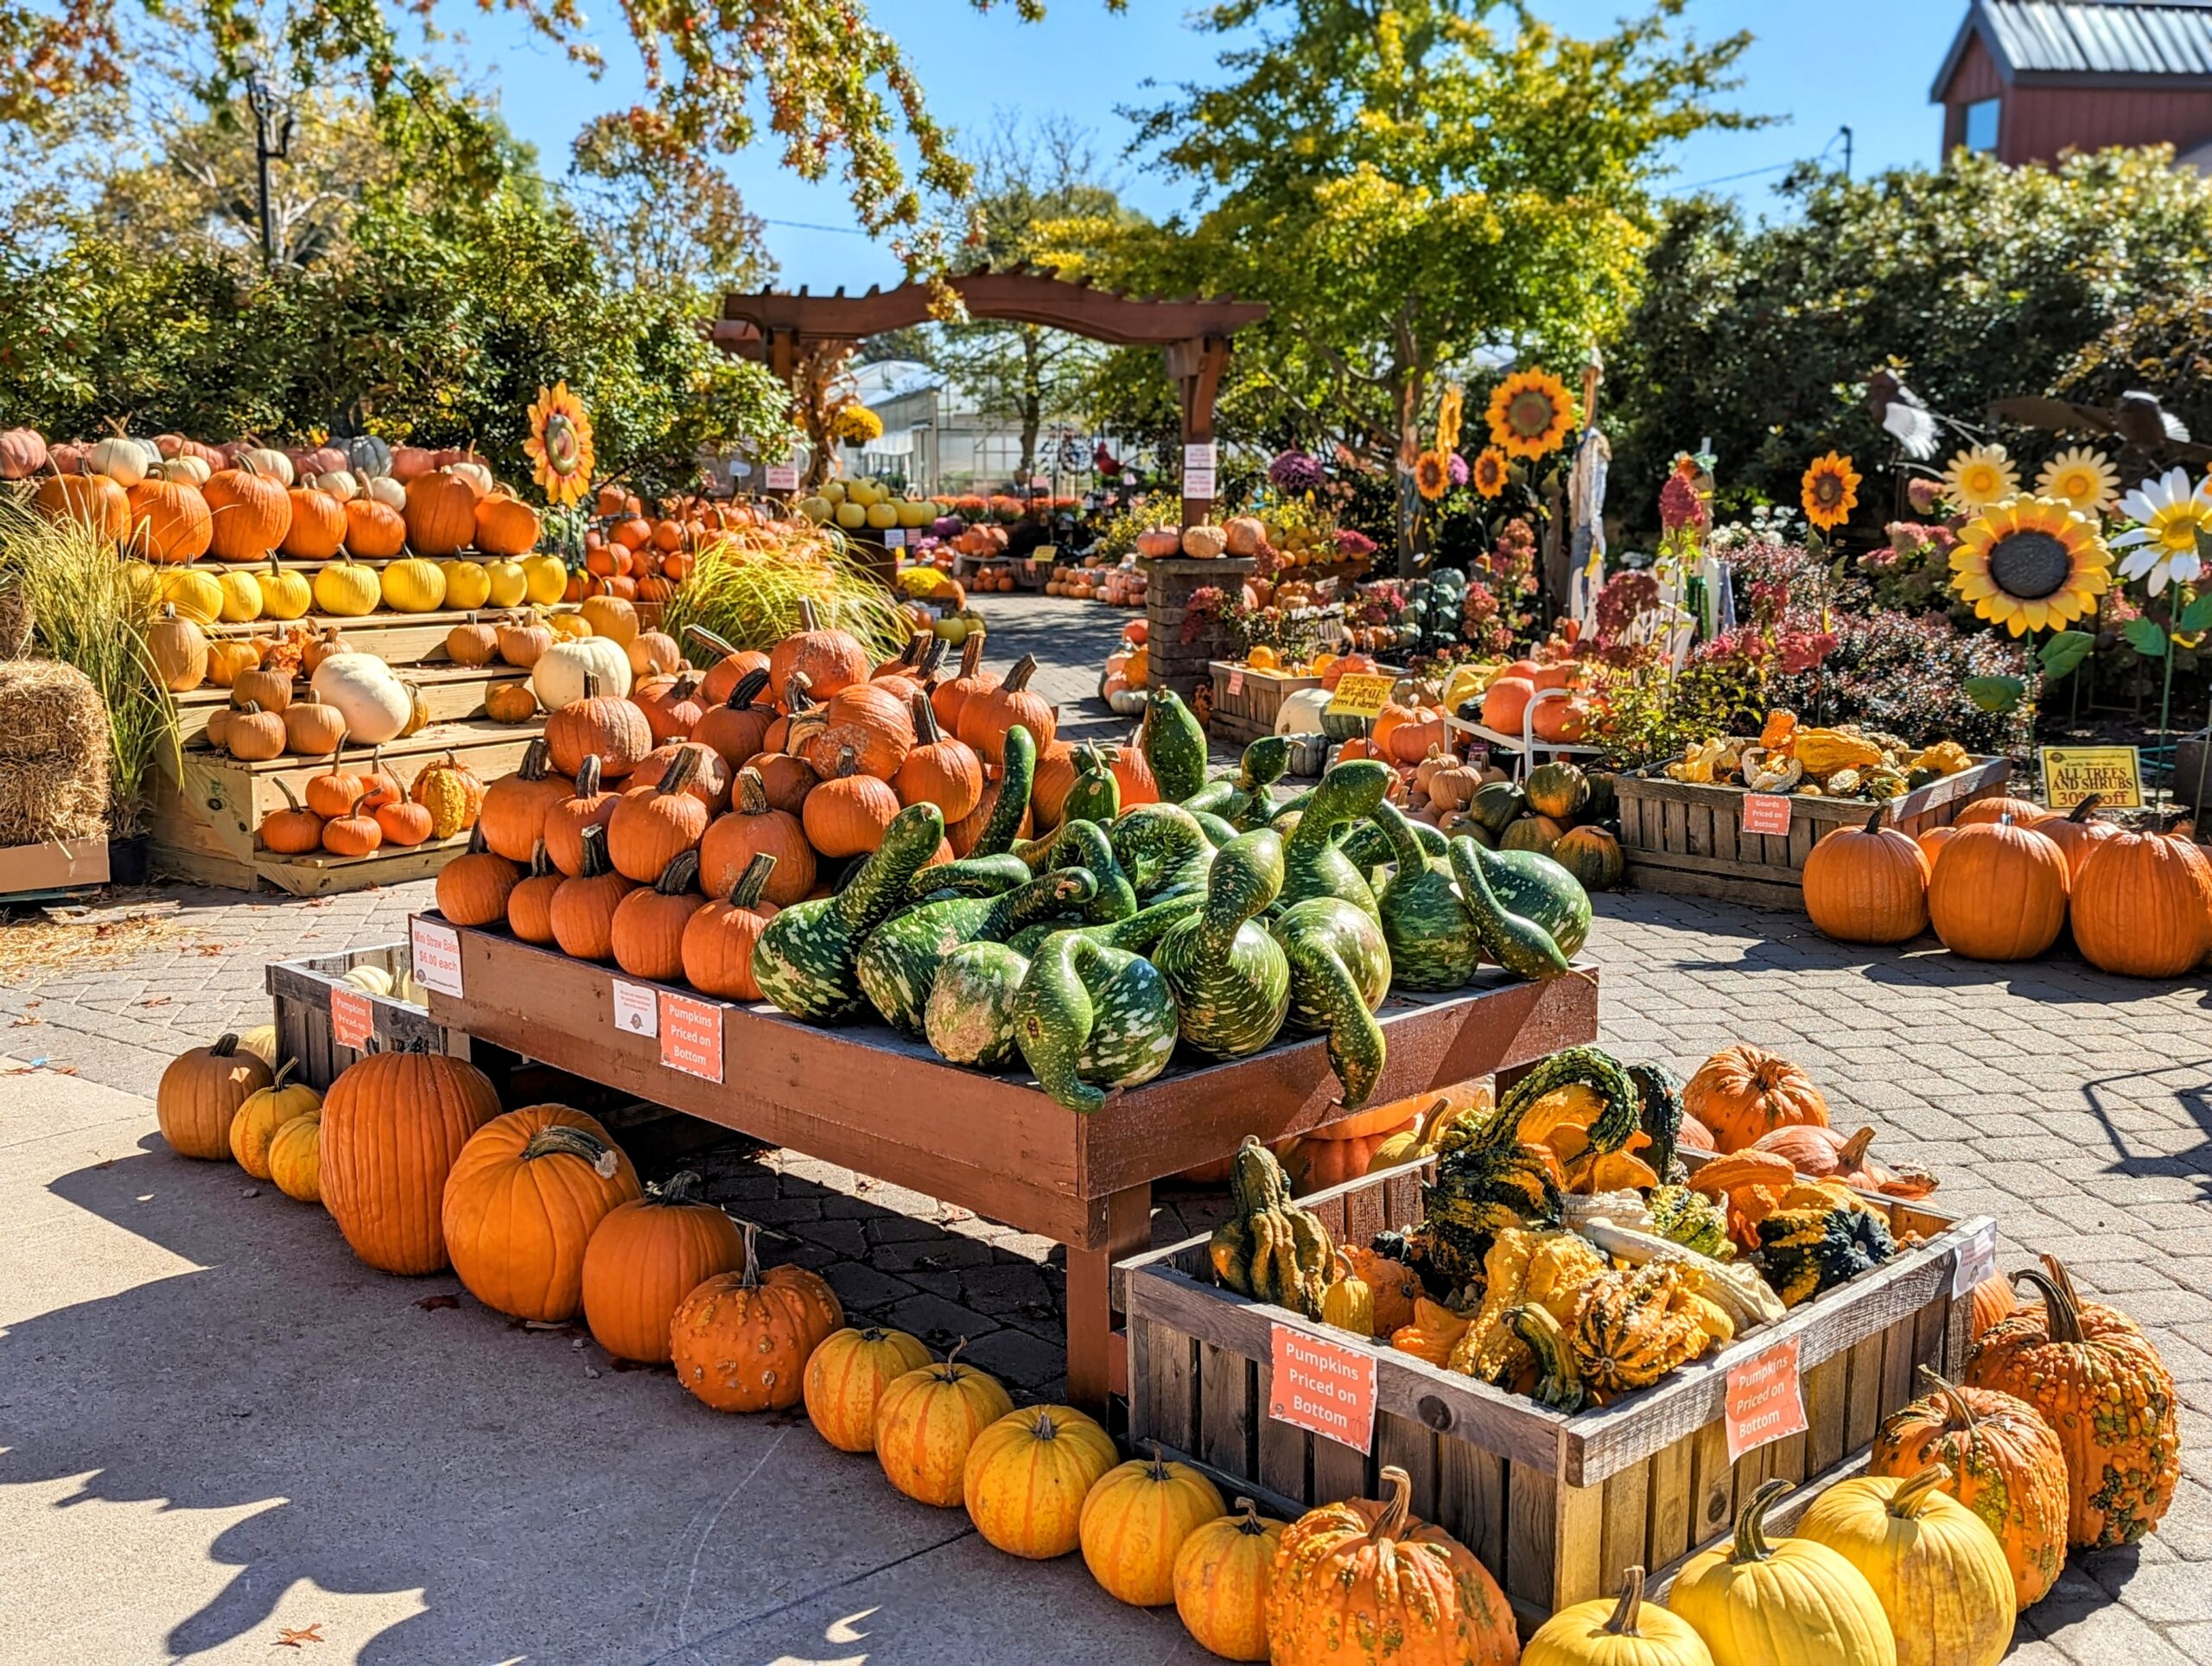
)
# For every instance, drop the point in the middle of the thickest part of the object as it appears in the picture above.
(2070, 774)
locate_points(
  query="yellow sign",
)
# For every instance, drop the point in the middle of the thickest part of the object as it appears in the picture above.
(1361, 694)
(2072, 774)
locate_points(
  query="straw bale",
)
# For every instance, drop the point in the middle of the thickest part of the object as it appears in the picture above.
(54, 754)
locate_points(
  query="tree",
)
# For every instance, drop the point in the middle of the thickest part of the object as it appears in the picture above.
(1403, 184)
(666, 217)
(1975, 281)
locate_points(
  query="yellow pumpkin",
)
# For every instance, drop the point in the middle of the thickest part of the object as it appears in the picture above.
(284, 594)
(505, 584)
(296, 1158)
(241, 603)
(413, 585)
(1223, 1574)
(194, 592)
(261, 1042)
(1027, 1475)
(571, 627)
(1134, 1522)
(845, 1378)
(265, 1112)
(346, 588)
(1617, 1633)
(1756, 1602)
(1935, 1567)
(927, 1421)
(546, 578)
(468, 585)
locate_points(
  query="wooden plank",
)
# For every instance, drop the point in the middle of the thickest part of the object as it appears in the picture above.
(1712, 1484)
(1531, 1533)
(1862, 1403)
(1412, 1446)
(1339, 1470)
(1162, 1373)
(1470, 1500)
(1675, 825)
(1626, 1529)
(1286, 1450)
(1227, 1414)
(1900, 1344)
(1669, 1504)
(1578, 1547)
(1124, 1221)
(1825, 1385)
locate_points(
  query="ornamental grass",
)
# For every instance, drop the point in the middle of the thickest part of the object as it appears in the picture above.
(746, 587)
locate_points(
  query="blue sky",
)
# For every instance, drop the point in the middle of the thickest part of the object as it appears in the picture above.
(1819, 67)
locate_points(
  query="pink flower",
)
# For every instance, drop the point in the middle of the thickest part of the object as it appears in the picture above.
(1680, 506)
(1924, 495)
(1805, 651)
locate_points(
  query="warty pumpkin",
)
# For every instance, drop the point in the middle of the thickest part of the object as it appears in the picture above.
(715, 952)
(582, 912)
(1027, 1475)
(1366, 1580)
(1998, 891)
(1742, 1092)
(1757, 1602)
(452, 793)
(392, 1124)
(2088, 1371)
(2005, 1464)
(845, 1378)
(926, 1423)
(201, 1093)
(741, 1341)
(522, 1202)
(1936, 1568)
(646, 932)
(1867, 884)
(645, 1256)
(1135, 1521)
(1622, 1632)
(869, 720)
(2142, 905)
(1222, 1575)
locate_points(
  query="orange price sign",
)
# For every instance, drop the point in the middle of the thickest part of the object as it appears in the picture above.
(692, 1036)
(1766, 812)
(1323, 1386)
(352, 1019)
(1765, 1400)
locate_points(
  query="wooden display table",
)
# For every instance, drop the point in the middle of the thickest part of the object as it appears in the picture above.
(867, 1099)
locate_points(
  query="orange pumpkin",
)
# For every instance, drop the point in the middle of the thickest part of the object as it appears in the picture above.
(845, 1378)
(318, 524)
(1867, 884)
(441, 513)
(249, 512)
(1742, 1093)
(741, 1341)
(830, 659)
(645, 1255)
(2142, 905)
(374, 532)
(1325, 1158)
(1998, 891)
(201, 1091)
(926, 1423)
(169, 520)
(715, 951)
(522, 1201)
(986, 715)
(392, 1125)
(93, 500)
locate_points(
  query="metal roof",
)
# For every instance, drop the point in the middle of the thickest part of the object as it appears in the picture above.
(2070, 38)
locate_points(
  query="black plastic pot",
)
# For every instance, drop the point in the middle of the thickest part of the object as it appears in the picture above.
(128, 861)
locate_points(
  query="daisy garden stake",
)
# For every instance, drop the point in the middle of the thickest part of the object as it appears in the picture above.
(2170, 543)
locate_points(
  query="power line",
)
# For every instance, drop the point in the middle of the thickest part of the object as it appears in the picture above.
(808, 226)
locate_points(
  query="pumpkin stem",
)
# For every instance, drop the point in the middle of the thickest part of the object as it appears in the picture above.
(594, 840)
(750, 1278)
(971, 656)
(1247, 1522)
(752, 793)
(1018, 678)
(679, 876)
(540, 864)
(748, 688)
(2061, 1306)
(679, 773)
(1912, 1496)
(1750, 1526)
(806, 617)
(948, 1372)
(1622, 1622)
(700, 633)
(566, 1139)
(225, 1045)
(926, 733)
(744, 891)
(1157, 1470)
(591, 685)
(683, 1186)
(1043, 1429)
(1850, 1155)
(2080, 812)
(1954, 1403)
(1392, 1522)
(587, 777)
(1874, 822)
(284, 1069)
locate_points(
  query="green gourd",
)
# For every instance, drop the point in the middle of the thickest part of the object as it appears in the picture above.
(969, 1017)
(1659, 1111)
(1534, 886)
(1432, 935)
(896, 966)
(1218, 830)
(804, 958)
(1174, 744)
(970, 876)
(1243, 800)
(1088, 1017)
(1340, 972)
(1137, 934)
(1368, 845)
(1231, 982)
(1083, 844)
(1516, 942)
(1162, 848)
(1312, 866)
(1096, 796)
(1017, 780)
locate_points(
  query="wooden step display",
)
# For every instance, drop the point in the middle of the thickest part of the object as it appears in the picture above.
(399, 639)
(1555, 1507)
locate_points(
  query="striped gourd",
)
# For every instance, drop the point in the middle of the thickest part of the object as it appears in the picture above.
(1089, 1017)
(1340, 972)
(1231, 982)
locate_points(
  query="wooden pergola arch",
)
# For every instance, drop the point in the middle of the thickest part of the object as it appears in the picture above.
(801, 335)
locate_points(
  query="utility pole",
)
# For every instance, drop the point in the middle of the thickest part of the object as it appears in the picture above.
(1846, 151)
(267, 148)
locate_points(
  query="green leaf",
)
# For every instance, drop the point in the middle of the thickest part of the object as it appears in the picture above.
(2065, 649)
(2145, 638)
(1995, 694)
(2197, 616)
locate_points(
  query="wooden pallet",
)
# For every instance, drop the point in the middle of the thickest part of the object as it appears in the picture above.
(1246, 702)
(453, 694)
(1686, 836)
(399, 639)
(1556, 1507)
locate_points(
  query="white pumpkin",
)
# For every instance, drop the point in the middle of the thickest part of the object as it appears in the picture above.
(383, 489)
(339, 483)
(373, 701)
(558, 678)
(184, 466)
(122, 460)
(268, 461)
(478, 476)
(1300, 712)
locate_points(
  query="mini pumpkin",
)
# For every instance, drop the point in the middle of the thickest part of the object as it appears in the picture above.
(926, 1423)
(845, 1378)
(200, 1094)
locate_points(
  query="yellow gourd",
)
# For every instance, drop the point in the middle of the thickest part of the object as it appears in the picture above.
(1759, 1603)
(1349, 1304)
(412, 585)
(346, 588)
(1622, 1633)
(468, 585)
(546, 578)
(1824, 751)
(1935, 1567)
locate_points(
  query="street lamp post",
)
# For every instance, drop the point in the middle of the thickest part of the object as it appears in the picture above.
(269, 111)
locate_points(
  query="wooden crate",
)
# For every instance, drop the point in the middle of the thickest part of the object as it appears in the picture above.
(1555, 1507)
(1687, 837)
(302, 991)
(1250, 711)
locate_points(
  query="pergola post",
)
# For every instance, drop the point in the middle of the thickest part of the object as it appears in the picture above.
(1196, 365)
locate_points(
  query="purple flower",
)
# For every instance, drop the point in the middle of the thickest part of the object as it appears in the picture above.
(1296, 471)
(1351, 545)
(1457, 469)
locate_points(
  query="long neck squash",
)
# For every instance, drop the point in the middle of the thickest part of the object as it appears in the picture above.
(1516, 942)
(1090, 1019)
(1340, 972)
(1432, 935)
(1231, 981)
(970, 877)
(1162, 848)
(1081, 844)
(1017, 778)
(896, 966)
(805, 960)
(1243, 800)
(1137, 933)
(1312, 866)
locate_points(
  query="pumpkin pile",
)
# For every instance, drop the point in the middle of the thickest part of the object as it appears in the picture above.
(1127, 675)
(1120, 584)
(1843, 762)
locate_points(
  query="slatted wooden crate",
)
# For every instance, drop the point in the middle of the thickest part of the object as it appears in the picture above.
(1556, 1507)
(1246, 701)
(1687, 837)
(301, 991)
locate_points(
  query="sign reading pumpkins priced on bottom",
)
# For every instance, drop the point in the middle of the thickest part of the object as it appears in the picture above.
(1360, 693)
(1322, 1387)
(692, 1036)
(1765, 1399)
(2070, 774)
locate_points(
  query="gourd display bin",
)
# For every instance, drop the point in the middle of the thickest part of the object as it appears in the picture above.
(302, 991)
(1556, 1507)
(1246, 701)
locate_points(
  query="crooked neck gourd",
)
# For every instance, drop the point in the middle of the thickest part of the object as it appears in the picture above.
(804, 958)
(1340, 972)
(1231, 981)
(1432, 941)
(896, 966)
(1089, 1018)
(1162, 848)
(1312, 866)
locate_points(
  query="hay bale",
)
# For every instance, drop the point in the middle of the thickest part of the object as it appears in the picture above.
(14, 619)
(54, 754)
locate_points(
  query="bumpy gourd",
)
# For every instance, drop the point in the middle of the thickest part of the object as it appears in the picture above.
(1096, 796)
(969, 1017)
(1547, 1269)
(1339, 973)
(1174, 744)
(805, 960)
(1270, 1250)
(1088, 1017)
(1691, 1219)
(1312, 866)
(1162, 848)
(1431, 935)
(1231, 981)
(1630, 1328)
(1816, 1246)
(1515, 942)
(896, 966)
(1659, 1113)
(1558, 1384)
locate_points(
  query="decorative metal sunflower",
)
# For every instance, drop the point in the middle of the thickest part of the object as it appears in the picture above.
(1530, 413)
(1980, 476)
(559, 446)
(2031, 561)
(2082, 477)
(1448, 416)
(1829, 491)
(1491, 471)
(1433, 475)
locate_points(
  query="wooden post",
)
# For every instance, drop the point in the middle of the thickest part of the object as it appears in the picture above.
(1091, 1301)
(1196, 365)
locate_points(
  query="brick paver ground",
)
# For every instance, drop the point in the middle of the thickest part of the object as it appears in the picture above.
(2074, 1108)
